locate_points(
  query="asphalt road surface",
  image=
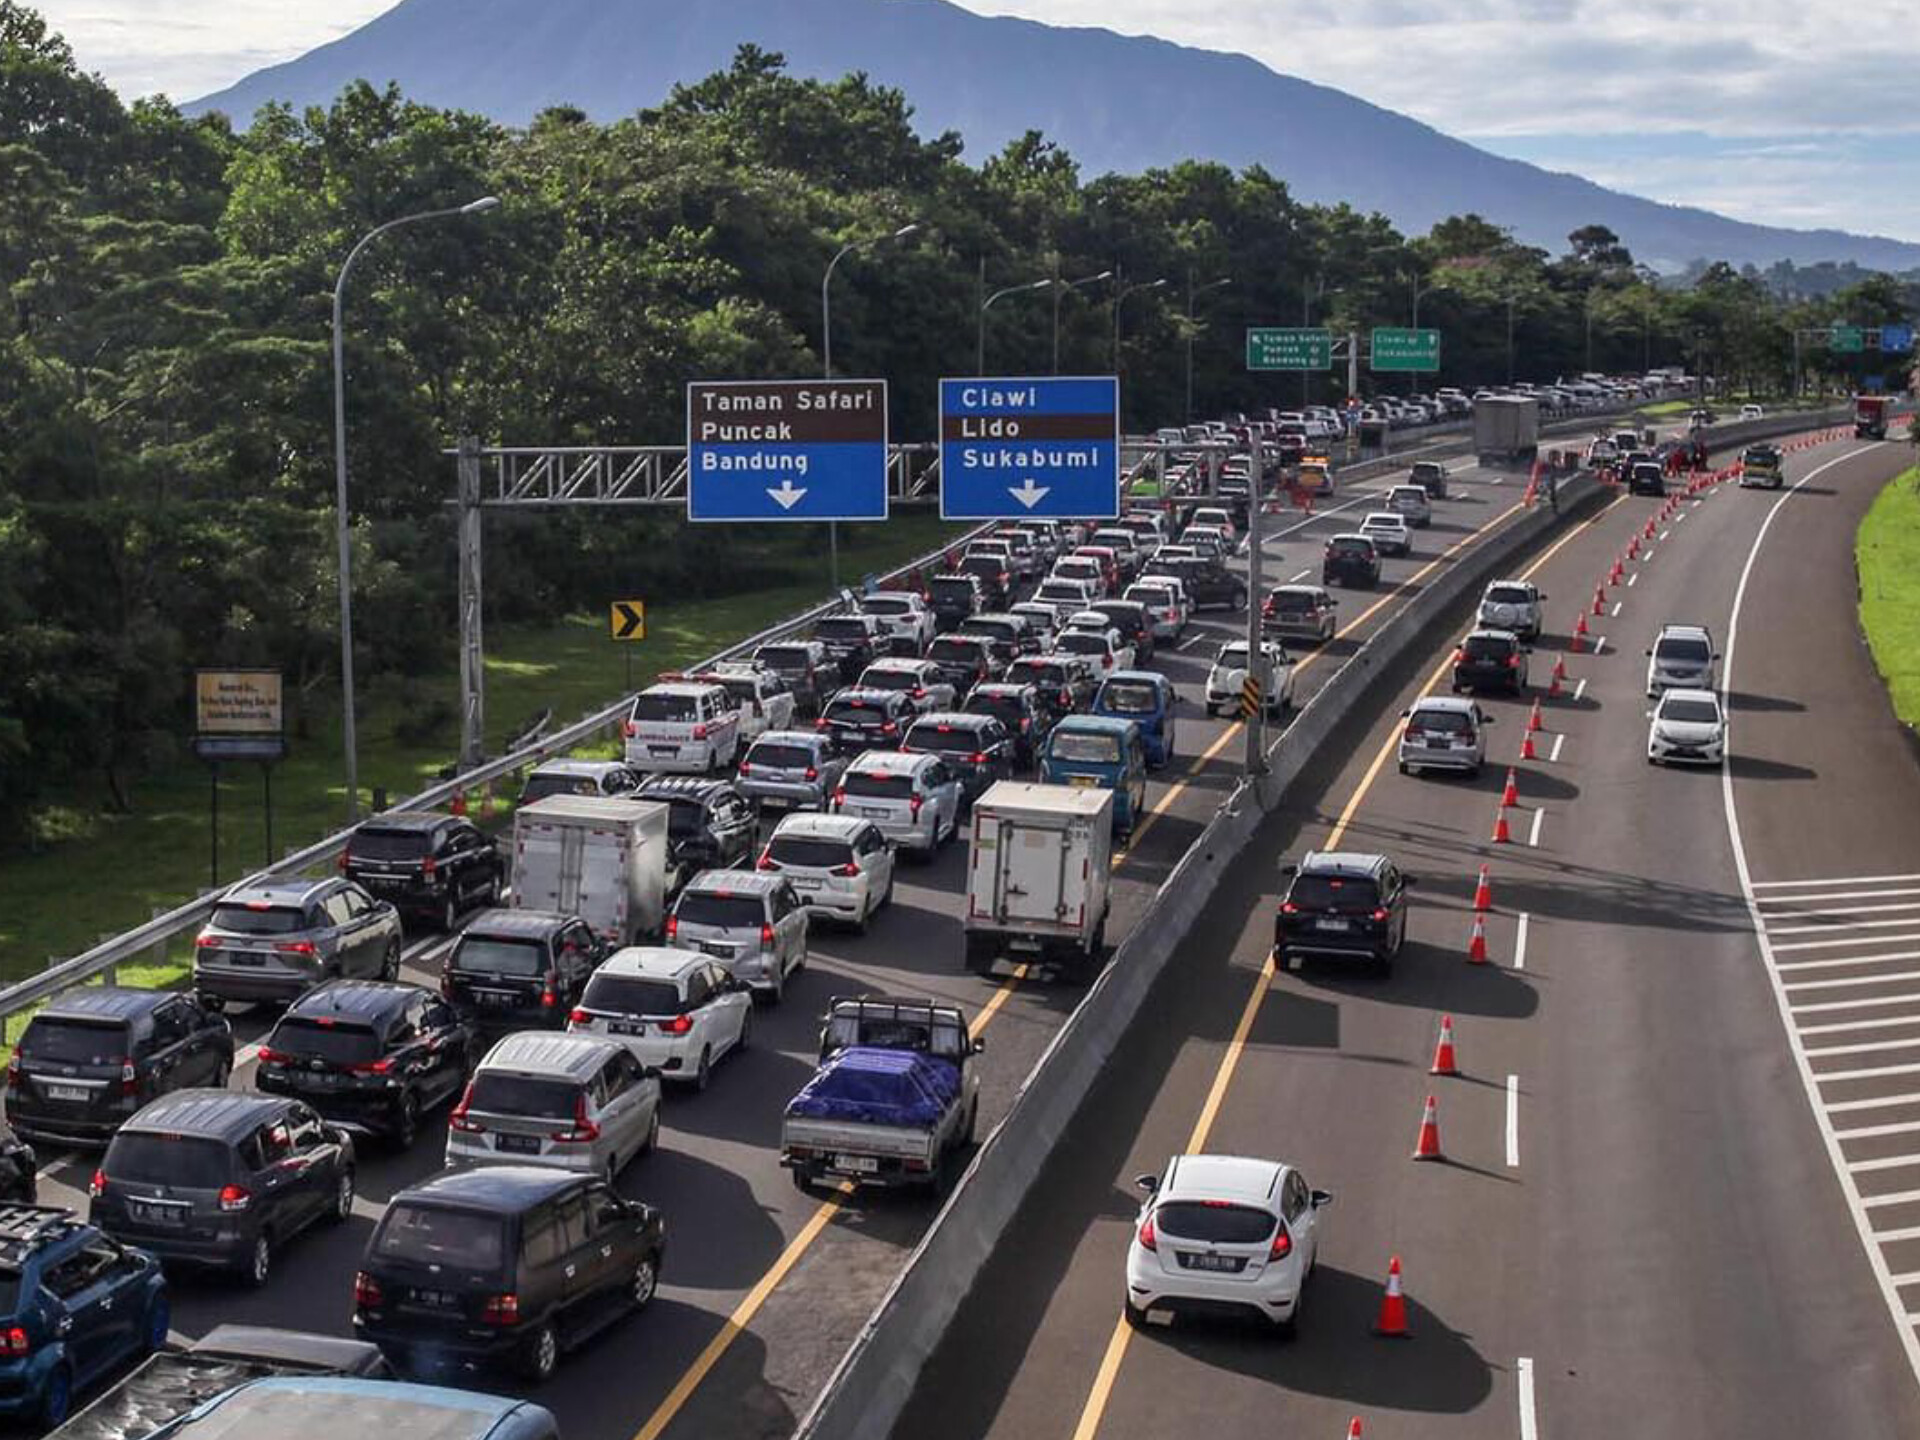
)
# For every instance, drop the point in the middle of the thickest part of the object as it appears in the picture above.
(765, 1287)
(1642, 1228)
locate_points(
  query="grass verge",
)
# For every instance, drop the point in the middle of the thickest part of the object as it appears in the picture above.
(98, 874)
(1887, 557)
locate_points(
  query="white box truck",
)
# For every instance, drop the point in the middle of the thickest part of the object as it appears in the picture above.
(601, 857)
(1037, 878)
(1506, 430)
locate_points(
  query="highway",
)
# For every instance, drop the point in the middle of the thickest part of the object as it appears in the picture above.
(1642, 1227)
(766, 1287)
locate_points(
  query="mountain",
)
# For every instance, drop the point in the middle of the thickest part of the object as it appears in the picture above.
(1115, 102)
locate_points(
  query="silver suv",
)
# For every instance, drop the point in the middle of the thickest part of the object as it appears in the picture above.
(790, 770)
(752, 923)
(575, 1102)
(272, 941)
(1512, 605)
(1681, 658)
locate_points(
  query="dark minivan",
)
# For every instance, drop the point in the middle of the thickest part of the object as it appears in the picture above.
(520, 969)
(95, 1055)
(369, 1054)
(222, 1179)
(506, 1265)
(427, 866)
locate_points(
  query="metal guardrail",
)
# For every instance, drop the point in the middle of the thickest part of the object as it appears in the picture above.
(134, 944)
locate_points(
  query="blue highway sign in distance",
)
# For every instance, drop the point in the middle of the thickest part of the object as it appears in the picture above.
(1896, 338)
(787, 450)
(1013, 448)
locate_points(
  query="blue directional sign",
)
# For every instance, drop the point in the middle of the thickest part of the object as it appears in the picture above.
(787, 450)
(1012, 448)
(1896, 338)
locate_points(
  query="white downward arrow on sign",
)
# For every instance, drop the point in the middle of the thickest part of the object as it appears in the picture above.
(1028, 493)
(786, 496)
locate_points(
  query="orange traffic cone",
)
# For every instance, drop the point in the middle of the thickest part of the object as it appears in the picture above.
(459, 806)
(1444, 1062)
(1619, 569)
(1533, 719)
(1483, 893)
(1501, 834)
(1633, 548)
(1427, 1147)
(1392, 1324)
(1553, 682)
(1353, 1428)
(1559, 667)
(1511, 795)
(1477, 943)
(1649, 531)
(1599, 600)
(1527, 751)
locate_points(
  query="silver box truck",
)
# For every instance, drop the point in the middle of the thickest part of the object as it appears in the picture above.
(1038, 877)
(1506, 429)
(603, 858)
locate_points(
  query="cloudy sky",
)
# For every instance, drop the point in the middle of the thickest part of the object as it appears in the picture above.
(1787, 112)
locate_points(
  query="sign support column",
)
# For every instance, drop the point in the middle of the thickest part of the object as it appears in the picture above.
(473, 670)
(1256, 497)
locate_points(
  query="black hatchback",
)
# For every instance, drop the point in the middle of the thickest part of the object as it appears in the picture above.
(94, 1055)
(222, 1179)
(507, 1265)
(1490, 660)
(1343, 905)
(520, 969)
(370, 1055)
(426, 865)
(1350, 560)
(709, 827)
(976, 748)
(857, 720)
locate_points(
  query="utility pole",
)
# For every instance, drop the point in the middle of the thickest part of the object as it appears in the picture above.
(1256, 760)
(1510, 300)
(1191, 293)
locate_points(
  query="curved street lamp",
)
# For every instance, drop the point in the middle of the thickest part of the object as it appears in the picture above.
(1193, 293)
(1060, 288)
(347, 736)
(980, 339)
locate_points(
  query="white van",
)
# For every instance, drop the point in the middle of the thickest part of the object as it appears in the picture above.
(682, 726)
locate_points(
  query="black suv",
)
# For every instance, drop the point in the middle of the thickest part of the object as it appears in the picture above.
(427, 866)
(1209, 584)
(977, 748)
(222, 1178)
(964, 661)
(74, 1307)
(709, 827)
(505, 1265)
(520, 969)
(857, 720)
(1060, 682)
(851, 641)
(1342, 904)
(1490, 660)
(1645, 477)
(1350, 560)
(95, 1055)
(996, 584)
(954, 598)
(1016, 706)
(370, 1055)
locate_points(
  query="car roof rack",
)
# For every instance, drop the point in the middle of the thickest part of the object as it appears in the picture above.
(23, 1224)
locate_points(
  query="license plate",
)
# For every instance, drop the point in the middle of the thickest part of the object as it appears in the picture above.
(664, 749)
(517, 1144)
(622, 1027)
(148, 1214)
(1438, 744)
(777, 802)
(66, 1092)
(1225, 1263)
(801, 882)
(719, 952)
(439, 1299)
(1085, 782)
(247, 957)
(877, 812)
(1333, 924)
(857, 1164)
(493, 999)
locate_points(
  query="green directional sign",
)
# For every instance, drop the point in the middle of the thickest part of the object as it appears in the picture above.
(1397, 348)
(1847, 339)
(1271, 347)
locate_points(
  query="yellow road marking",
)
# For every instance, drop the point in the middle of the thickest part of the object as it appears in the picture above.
(1109, 1372)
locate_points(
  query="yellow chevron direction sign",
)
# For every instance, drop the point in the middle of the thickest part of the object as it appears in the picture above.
(1249, 698)
(628, 620)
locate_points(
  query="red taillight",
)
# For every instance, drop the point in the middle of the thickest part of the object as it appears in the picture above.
(678, 1025)
(270, 1056)
(766, 936)
(745, 768)
(1282, 1244)
(914, 804)
(821, 723)
(367, 1293)
(235, 1197)
(548, 996)
(1266, 609)
(1380, 916)
(583, 1130)
(811, 773)
(428, 866)
(1066, 698)
(700, 732)
(979, 757)
(501, 1310)
(1287, 907)
(850, 870)
(207, 941)
(673, 926)
(15, 1341)
(129, 1078)
(341, 863)
(919, 692)
(1513, 662)
(97, 1186)
(296, 947)
(1148, 1237)
(458, 1119)
(840, 795)
(13, 1069)
(628, 729)
(374, 1067)
(766, 862)
(1459, 656)
(577, 1016)
(889, 728)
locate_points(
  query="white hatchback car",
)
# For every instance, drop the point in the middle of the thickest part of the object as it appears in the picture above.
(1687, 727)
(841, 866)
(1093, 622)
(1412, 503)
(1229, 673)
(1224, 1232)
(1389, 532)
(1444, 732)
(1511, 605)
(675, 1011)
(913, 799)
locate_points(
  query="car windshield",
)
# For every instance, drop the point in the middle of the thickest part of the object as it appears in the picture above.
(844, 628)
(784, 657)
(177, 1160)
(1213, 1222)
(673, 709)
(1690, 652)
(1007, 709)
(1333, 892)
(498, 1092)
(539, 787)
(952, 586)
(722, 908)
(1082, 642)
(1076, 745)
(323, 1038)
(741, 689)
(951, 648)
(1509, 595)
(998, 629)
(484, 955)
(1691, 712)
(883, 605)
(1233, 656)
(371, 844)
(878, 784)
(1051, 591)
(888, 680)
(1151, 595)
(257, 919)
(949, 739)
(809, 851)
(1350, 548)
(1487, 647)
(1438, 722)
(1130, 697)
(862, 713)
(1291, 602)
(632, 995)
(58, 1040)
(1426, 470)
(429, 1235)
(1382, 522)
(686, 819)
(780, 757)
(1407, 495)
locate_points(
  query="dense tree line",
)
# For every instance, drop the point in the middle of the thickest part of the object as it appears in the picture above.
(165, 391)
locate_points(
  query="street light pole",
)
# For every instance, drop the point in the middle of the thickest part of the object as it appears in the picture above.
(1060, 288)
(343, 531)
(1192, 294)
(1120, 294)
(1510, 299)
(826, 361)
(980, 340)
